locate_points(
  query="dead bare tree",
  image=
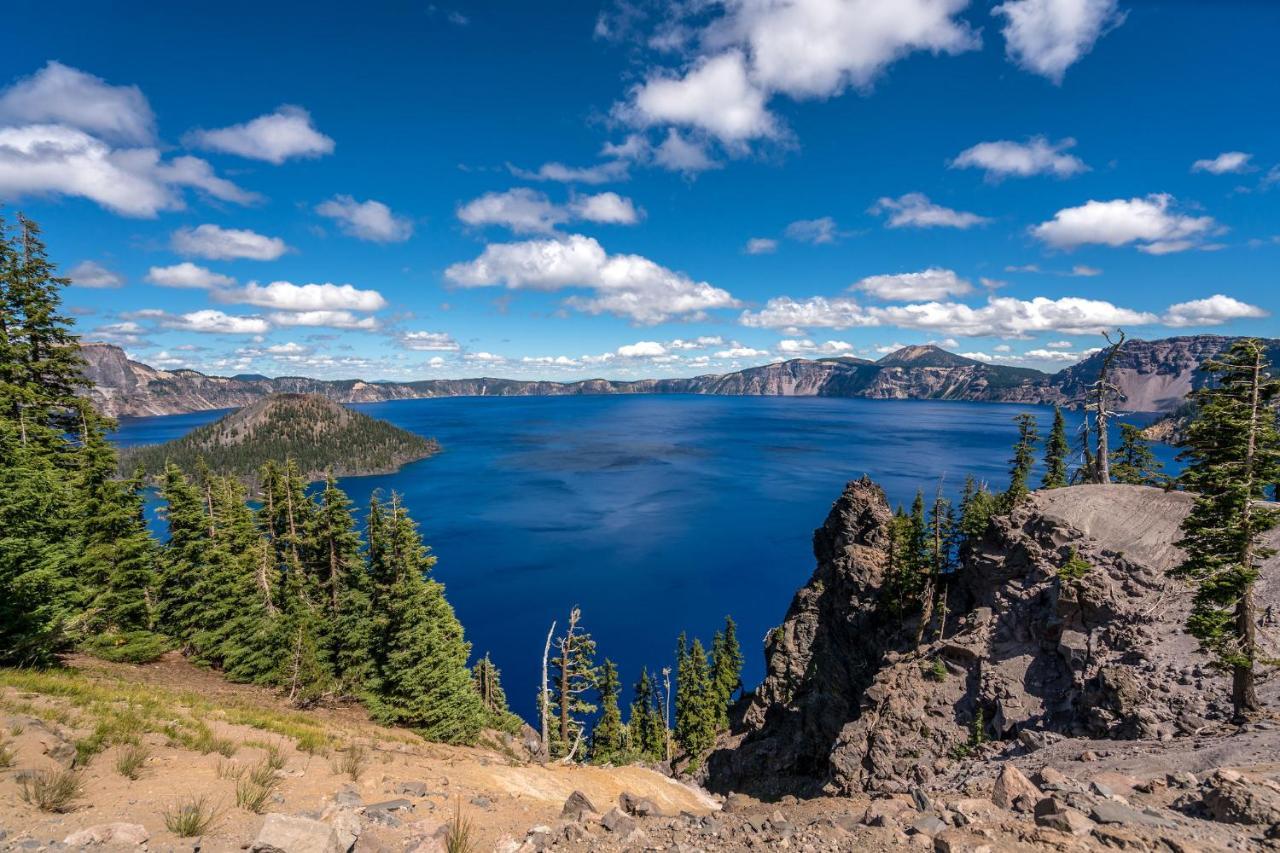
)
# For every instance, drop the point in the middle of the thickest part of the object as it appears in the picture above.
(1103, 390)
(666, 714)
(545, 697)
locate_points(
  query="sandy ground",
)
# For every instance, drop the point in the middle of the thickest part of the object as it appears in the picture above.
(501, 795)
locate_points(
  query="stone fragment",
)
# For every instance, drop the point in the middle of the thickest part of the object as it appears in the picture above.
(283, 833)
(1012, 784)
(412, 789)
(108, 833)
(615, 820)
(1067, 820)
(577, 806)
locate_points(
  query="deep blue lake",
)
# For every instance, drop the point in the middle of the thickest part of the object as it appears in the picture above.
(655, 514)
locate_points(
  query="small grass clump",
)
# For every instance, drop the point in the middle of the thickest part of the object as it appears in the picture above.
(190, 817)
(935, 670)
(7, 755)
(352, 761)
(229, 769)
(275, 756)
(131, 758)
(255, 787)
(204, 741)
(460, 833)
(17, 729)
(126, 646)
(52, 790)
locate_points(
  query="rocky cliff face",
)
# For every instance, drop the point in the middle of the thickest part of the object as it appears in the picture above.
(849, 705)
(1152, 376)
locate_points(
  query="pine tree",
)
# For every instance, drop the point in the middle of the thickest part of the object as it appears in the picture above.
(423, 680)
(344, 583)
(1233, 451)
(1020, 464)
(977, 506)
(487, 679)
(183, 557)
(1055, 453)
(726, 670)
(647, 731)
(607, 739)
(573, 677)
(1133, 463)
(696, 699)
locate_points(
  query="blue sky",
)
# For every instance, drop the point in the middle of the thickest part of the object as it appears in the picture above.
(645, 188)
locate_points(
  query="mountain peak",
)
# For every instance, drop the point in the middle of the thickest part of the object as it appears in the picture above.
(924, 355)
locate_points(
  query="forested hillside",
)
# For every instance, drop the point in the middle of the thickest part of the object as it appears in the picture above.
(320, 436)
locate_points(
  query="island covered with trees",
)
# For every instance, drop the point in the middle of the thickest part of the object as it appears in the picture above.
(321, 437)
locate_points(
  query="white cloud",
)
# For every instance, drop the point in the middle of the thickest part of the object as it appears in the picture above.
(601, 173)
(428, 341)
(761, 246)
(1212, 311)
(606, 208)
(289, 348)
(1003, 348)
(525, 211)
(93, 274)
(286, 296)
(626, 285)
(1149, 222)
(816, 231)
(216, 322)
(715, 95)
(933, 283)
(51, 159)
(914, 210)
(126, 333)
(1085, 271)
(275, 137)
(61, 95)
(1225, 163)
(1059, 345)
(1000, 316)
(1052, 355)
(188, 275)
(742, 352)
(366, 220)
(1036, 156)
(325, 318)
(642, 349)
(804, 346)
(1047, 37)
(678, 153)
(216, 243)
(701, 342)
(485, 358)
(986, 358)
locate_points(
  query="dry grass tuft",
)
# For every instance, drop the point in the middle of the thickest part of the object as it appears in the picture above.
(130, 760)
(52, 790)
(190, 817)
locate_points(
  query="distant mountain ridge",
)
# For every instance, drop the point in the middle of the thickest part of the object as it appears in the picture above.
(1154, 376)
(320, 435)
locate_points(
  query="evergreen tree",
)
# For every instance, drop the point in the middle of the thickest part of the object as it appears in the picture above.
(1233, 451)
(573, 677)
(696, 696)
(726, 670)
(1055, 453)
(423, 680)
(1133, 462)
(1020, 464)
(607, 739)
(645, 726)
(344, 584)
(183, 557)
(487, 679)
(977, 506)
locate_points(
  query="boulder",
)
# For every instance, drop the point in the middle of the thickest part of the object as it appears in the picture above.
(1228, 797)
(283, 833)
(616, 821)
(1066, 820)
(577, 806)
(637, 806)
(1012, 784)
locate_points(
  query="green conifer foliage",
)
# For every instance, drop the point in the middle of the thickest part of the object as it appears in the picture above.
(488, 683)
(696, 700)
(726, 670)
(1056, 450)
(573, 677)
(345, 587)
(1233, 454)
(608, 744)
(1133, 462)
(424, 681)
(1020, 464)
(645, 726)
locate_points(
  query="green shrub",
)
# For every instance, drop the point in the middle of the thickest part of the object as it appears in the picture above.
(126, 646)
(1075, 568)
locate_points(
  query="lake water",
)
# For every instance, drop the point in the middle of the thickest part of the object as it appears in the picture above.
(655, 514)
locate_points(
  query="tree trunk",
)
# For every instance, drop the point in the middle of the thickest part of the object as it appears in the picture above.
(1244, 699)
(546, 731)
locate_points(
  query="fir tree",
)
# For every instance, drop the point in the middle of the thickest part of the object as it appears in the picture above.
(423, 680)
(487, 679)
(607, 739)
(1055, 453)
(1133, 463)
(573, 677)
(345, 586)
(726, 670)
(696, 696)
(1233, 452)
(647, 731)
(183, 557)
(1020, 464)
